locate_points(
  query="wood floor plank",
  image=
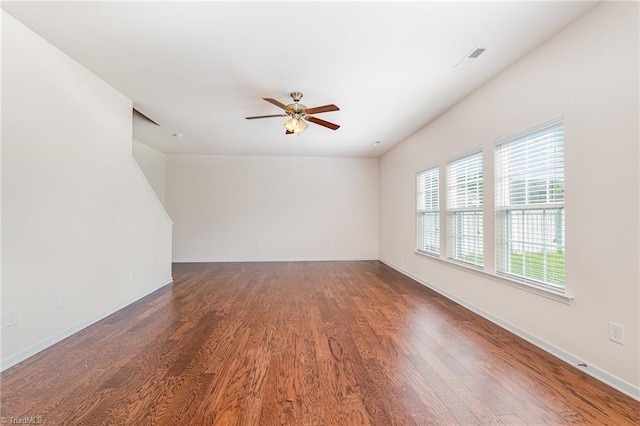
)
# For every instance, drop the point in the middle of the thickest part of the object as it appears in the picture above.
(302, 343)
(473, 402)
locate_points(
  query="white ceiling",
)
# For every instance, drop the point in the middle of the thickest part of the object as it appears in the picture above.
(198, 68)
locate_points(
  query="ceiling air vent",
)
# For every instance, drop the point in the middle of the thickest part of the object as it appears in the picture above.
(476, 53)
(470, 57)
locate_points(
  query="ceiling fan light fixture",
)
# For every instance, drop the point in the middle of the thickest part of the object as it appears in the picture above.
(291, 124)
(302, 125)
(295, 125)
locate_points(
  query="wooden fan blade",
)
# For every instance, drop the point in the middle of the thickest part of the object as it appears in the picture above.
(286, 132)
(323, 123)
(277, 103)
(323, 108)
(266, 116)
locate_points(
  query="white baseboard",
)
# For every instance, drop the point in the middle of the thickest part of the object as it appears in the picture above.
(598, 373)
(269, 259)
(52, 340)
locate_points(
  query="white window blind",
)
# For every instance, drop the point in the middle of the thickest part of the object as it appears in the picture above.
(464, 210)
(428, 211)
(530, 207)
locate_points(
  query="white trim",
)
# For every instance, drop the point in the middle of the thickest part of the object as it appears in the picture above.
(52, 340)
(594, 371)
(508, 137)
(558, 296)
(269, 259)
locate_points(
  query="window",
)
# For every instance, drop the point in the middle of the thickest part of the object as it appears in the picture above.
(530, 207)
(428, 211)
(464, 210)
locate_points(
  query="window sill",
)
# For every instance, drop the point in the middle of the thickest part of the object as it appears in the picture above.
(557, 296)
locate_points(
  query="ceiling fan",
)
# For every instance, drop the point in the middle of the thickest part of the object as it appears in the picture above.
(299, 114)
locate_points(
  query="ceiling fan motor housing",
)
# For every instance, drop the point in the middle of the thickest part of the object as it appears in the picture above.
(296, 106)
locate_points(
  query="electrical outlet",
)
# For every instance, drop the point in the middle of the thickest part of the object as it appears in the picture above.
(57, 301)
(11, 318)
(616, 332)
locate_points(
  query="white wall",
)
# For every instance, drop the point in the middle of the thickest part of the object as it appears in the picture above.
(153, 165)
(588, 74)
(78, 217)
(228, 208)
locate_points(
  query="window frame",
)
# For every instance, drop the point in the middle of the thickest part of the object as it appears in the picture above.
(501, 212)
(453, 239)
(434, 213)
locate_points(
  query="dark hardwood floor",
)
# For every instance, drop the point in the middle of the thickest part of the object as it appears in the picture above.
(331, 343)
